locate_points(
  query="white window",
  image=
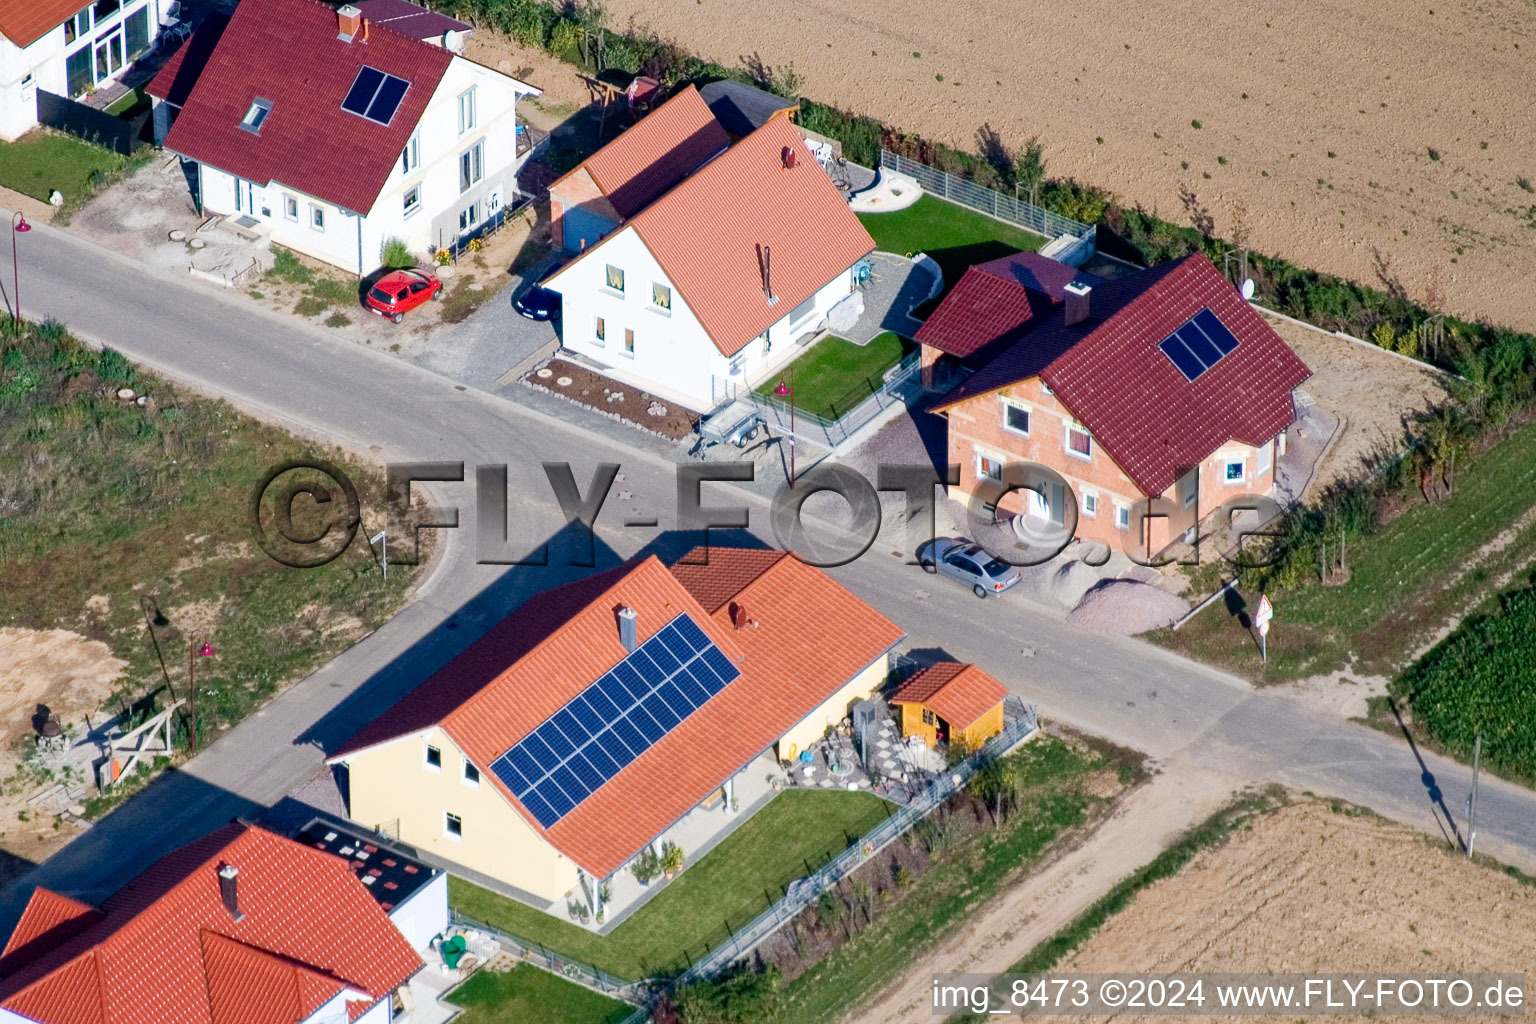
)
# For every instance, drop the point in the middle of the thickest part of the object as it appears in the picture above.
(600, 332)
(800, 312)
(290, 207)
(434, 759)
(615, 278)
(255, 116)
(988, 466)
(412, 201)
(453, 826)
(1232, 470)
(1090, 504)
(316, 217)
(466, 111)
(1045, 389)
(1015, 417)
(469, 217)
(629, 342)
(1079, 441)
(1262, 466)
(738, 361)
(471, 166)
(1122, 516)
(661, 297)
(410, 159)
(471, 776)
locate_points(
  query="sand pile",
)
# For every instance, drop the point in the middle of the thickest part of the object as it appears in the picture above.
(1126, 606)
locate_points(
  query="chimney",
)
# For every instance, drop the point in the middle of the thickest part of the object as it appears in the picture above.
(739, 615)
(788, 156)
(1077, 302)
(229, 890)
(627, 621)
(349, 22)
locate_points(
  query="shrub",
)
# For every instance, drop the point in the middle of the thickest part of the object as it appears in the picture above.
(113, 367)
(396, 255)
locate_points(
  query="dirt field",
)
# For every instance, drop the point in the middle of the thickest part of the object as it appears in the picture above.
(64, 670)
(1310, 889)
(1372, 390)
(1401, 126)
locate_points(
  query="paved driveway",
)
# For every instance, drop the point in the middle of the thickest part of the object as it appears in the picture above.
(481, 351)
(897, 285)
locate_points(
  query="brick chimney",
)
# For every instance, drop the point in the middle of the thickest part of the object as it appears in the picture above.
(229, 890)
(1077, 296)
(349, 22)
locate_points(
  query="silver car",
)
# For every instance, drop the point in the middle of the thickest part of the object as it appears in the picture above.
(969, 563)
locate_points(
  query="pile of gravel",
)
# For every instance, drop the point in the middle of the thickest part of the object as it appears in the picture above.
(1071, 581)
(1128, 607)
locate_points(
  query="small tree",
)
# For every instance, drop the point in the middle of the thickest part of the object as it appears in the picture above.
(1029, 169)
(671, 858)
(830, 909)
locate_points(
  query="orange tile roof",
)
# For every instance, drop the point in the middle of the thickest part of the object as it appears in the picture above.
(957, 693)
(24, 22)
(714, 575)
(808, 637)
(665, 146)
(165, 941)
(705, 233)
(48, 920)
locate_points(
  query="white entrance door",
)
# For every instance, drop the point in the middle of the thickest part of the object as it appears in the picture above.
(245, 197)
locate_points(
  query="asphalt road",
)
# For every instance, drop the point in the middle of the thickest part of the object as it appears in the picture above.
(1183, 714)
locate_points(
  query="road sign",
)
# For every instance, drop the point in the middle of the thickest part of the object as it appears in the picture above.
(1265, 612)
(1264, 628)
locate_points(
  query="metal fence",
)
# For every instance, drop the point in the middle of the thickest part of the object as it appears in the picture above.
(556, 963)
(899, 385)
(809, 889)
(88, 123)
(983, 200)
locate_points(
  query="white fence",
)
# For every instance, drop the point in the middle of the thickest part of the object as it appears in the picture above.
(983, 200)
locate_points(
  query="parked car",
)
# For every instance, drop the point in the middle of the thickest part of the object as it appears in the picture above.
(537, 302)
(969, 563)
(400, 291)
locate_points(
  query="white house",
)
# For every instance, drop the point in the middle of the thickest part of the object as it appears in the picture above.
(333, 135)
(66, 49)
(706, 288)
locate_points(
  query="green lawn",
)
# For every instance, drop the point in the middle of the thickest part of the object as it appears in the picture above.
(526, 993)
(797, 832)
(834, 375)
(42, 161)
(954, 236)
(1418, 573)
(129, 105)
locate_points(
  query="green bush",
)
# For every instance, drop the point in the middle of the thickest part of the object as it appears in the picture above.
(1482, 680)
(396, 255)
(113, 368)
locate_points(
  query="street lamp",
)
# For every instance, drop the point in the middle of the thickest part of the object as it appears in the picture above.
(151, 621)
(19, 226)
(193, 653)
(788, 391)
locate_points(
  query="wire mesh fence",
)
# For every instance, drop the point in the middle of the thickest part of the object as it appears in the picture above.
(899, 385)
(983, 200)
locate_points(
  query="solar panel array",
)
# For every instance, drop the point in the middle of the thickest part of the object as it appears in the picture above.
(1199, 345)
(615, 720)
(375, 95)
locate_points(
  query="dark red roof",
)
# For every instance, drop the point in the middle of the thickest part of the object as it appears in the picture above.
(1109, 372)
(287, 52)
(165, 948)
(409, 18)
(994, 302)
(175, 79)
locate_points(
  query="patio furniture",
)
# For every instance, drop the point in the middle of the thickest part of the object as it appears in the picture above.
(452, 951)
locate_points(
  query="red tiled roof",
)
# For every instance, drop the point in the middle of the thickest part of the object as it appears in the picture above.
(665, 146)
(1109, 372)
(995, 301)
(287, 52)
(24, 22)
(714, 575)
(705, 234)
(176, 77)
(412, 19)
(957, 693)
(164, 944)
(809, 637)
(48, 921)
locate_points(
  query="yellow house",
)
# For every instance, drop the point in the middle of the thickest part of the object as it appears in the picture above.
(583, 726)
(951, 703)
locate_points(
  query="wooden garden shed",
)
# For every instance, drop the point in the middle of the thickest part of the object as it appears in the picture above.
(951, 703)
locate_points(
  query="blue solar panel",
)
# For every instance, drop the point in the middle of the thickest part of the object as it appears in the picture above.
(1199, 344)
(615, 720)
(364, 87)
(384, 105)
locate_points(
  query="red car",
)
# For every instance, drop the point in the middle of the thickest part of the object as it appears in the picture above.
(400, 291)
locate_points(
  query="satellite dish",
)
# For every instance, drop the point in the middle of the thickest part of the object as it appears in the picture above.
(1247, 289)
